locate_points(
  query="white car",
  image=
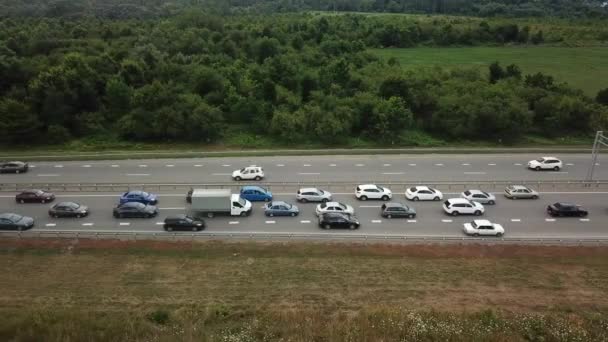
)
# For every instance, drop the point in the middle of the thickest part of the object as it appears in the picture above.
(423, 193)
(461, 206)
(313, 195)
(249, 172)
(545, 163)
(372, 191)
(483, 227)
(479, 196)
(334, 207)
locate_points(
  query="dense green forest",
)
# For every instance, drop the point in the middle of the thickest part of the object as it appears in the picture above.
(153, 8)
(294, 77)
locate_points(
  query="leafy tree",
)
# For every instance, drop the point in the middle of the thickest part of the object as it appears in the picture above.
(496, 72)
(18, 124)
(602, 96)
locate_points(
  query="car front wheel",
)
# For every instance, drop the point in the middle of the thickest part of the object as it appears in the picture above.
(477, 212)
(537, 168)
(385, 198)
(363, 198)
(415, 198)
(352, 226)
(455, 213)
(293, 214)
(237, 178)
(436, 198)
(326, 226)
(556, 168)
(411, 216)
(498, 234)
(257, 178)
(303, 200)
(491, 202)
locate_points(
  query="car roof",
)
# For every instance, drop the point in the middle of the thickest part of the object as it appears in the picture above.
(13, 162)
(132, 204)
(279, 203)
(474, 191)
(566, 204)
(309, 189)
(8, 215)
(333, 203)
(482, 222)
(368, 186)
(518, 187)
(458, 200)
(548, 157)
(393, 204)
(422, 187)
(140, 192)
(176, 217)
(336, 214)
(66, 203)
(252, 187)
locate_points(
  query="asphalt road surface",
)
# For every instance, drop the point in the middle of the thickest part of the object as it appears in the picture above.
(520, 218)
(370, 168)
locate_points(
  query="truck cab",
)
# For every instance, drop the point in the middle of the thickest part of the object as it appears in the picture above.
(240, 206)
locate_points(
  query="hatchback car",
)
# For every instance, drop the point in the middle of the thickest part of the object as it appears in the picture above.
(10, 221)
(256, 193)
(280, 208)
(483, 227)
(334, 207)
(135, 210)
(138, 196)
(13, 167)
(372, 191)
(479, 196)
(313, 195)
(68, 209)
(423, 193)
(34, 196)
(461, 206)
(520, 191)
(395, 209)
(566, 209)
(183, 222)
(338, 220)
(250, 173)
(545, 163)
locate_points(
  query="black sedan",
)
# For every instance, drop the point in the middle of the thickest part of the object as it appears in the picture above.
(13, 167)
(10, 221)
(35, 196)
(68, 209)
(183, 222)
(566, 209)
(338, 220)
(135, 209)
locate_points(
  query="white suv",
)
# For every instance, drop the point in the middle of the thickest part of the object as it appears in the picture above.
(249, 172)
(457, 206)
(545, 163)
(372, 191)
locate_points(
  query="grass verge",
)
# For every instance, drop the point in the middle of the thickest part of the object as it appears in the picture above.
(163, 291)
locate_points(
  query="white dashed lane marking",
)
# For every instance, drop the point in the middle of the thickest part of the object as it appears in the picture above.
(446, 221)
(412, 164)
(50, 224)
(517, 164)
(515, 220)
(439, 164)
(58, 166)
(233, 222)
(87, 224)
(198, 165)
(584, 220)
(86, 165)
(466, 164)
(475, 173)
(386, 165)
(393, 173)
(48, 175)
(160, 223)
(306, 165)
(169, 165)
(226, 165)
(271, 222)
(550, 220)
(221, 174)
(491, 164)
(124, 223)
(280, 165)
(308, 173)
(114, 165)
(376, 221)
(138, 174)
(411, 221)
(359, 164)
(332, 164)
(569, 164)
(305, 221)
(143, 165)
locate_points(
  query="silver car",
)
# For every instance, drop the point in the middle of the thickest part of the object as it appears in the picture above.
(520, 191)
(479, 196)
(313, 195)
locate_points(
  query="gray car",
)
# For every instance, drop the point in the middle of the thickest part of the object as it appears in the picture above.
(396, 209)
(280, 208)
(520, 191)
(13, 167)
(313, 195)
(10, 221)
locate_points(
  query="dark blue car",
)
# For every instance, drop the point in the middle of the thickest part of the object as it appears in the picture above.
(138, 196)
(256, 193)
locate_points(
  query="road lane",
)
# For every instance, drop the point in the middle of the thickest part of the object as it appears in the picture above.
(530, 216)
(438, 167)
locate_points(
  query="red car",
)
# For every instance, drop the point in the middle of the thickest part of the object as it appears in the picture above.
(35, 196)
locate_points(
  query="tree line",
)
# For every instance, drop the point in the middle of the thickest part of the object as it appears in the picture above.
(296, 78)
(121, 9)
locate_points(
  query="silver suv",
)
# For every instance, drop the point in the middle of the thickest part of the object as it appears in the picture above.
(313, 195)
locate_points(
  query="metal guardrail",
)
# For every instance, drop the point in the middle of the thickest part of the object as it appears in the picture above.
(396, 186)
(199, 236)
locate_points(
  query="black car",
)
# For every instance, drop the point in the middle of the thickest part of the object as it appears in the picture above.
(13, 167)
(338, 220)
(35, 196)
(396, 209)
(10, 221)
(189, 195)
(135, 209)
(68, 209)
(183, 222)
(566, 209)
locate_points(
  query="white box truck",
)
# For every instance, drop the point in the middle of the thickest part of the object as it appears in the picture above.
(211, 202)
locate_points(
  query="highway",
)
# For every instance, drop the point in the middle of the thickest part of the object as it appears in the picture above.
(521, 218)
(370, 168)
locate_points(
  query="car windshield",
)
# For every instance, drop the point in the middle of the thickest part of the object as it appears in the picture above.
(323, 205)
(413, 189)
(467, 192)
(342, 206)
(474, 224)
(136, 205)
(540, 160)
(242, 170)
(242, 201)
(73, 205)
(15, 217)
(145, 194)
(485, 193)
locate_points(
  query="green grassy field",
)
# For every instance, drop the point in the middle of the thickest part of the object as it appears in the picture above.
(585, 68)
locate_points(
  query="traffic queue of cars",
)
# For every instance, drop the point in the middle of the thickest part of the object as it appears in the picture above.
(331, 214)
